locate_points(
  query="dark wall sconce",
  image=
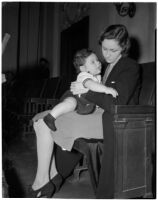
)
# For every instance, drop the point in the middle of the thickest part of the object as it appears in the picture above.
(125, 9)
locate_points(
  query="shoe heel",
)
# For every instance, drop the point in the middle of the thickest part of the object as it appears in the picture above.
(48, 190)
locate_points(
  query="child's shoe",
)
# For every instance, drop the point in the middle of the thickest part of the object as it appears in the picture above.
(50, 121)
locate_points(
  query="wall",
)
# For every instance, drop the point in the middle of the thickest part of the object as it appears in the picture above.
(36, 26)
(10, 13)
(39, 35)
(29, 35)
(43, 39)
(142, 26)
(52, 37)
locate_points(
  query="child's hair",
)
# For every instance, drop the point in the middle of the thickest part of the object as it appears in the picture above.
(80, 58)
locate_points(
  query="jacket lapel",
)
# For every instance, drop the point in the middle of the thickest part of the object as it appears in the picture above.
(114, 73)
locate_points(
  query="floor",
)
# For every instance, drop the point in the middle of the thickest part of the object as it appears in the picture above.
(21, 168)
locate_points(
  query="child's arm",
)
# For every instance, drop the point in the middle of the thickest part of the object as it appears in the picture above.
(98, 87)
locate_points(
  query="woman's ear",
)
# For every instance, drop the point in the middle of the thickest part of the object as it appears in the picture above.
(82, 68)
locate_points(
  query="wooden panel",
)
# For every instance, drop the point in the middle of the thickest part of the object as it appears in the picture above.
(132, 159)
(150, 159)
(132, 109)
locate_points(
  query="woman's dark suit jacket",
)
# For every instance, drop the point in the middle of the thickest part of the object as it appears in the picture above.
(124, 77)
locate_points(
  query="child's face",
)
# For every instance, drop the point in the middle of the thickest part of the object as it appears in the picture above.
(92, 65)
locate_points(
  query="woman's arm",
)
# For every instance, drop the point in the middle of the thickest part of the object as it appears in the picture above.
(127, 81)
(98, 87)
(101, 99)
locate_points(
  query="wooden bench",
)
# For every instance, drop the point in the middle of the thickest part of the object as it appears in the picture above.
(134, 150)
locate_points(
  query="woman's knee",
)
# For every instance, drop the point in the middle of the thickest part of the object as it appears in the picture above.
(37, 127)
(42, 130)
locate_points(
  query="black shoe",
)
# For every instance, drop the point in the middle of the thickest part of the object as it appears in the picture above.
(50, 121)
(57, 181)
(32, 193)
(47, 191)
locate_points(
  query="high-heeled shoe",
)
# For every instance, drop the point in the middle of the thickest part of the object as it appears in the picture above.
(48, 189)
(57, 180)
(32, 193)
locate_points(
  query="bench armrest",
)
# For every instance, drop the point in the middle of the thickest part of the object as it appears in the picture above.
(132, 109)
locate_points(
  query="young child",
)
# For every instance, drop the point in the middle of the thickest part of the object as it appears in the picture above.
(89, 68)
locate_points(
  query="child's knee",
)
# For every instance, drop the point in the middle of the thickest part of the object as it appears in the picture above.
(71, 101)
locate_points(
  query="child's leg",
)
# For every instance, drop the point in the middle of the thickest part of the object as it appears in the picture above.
(67, 105)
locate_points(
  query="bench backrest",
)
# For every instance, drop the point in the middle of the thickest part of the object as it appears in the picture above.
(148, 84)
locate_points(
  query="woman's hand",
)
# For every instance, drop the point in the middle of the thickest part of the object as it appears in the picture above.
(40, 115)
(77, 88)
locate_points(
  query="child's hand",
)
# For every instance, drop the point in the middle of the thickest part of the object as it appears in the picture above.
(77, 88)
(111, 91)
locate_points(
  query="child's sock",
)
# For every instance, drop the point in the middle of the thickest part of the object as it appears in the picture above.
(50, 121)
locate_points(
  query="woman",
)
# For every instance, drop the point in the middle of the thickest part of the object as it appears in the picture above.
(122, 73)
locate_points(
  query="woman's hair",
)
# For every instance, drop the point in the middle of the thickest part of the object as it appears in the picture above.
(120, 34)
(80, 58)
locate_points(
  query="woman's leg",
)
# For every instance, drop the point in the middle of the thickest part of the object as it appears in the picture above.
(66, 161)
(45, 146)
(105, 188)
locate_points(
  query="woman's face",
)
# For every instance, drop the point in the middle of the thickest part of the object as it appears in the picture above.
(111, 50)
